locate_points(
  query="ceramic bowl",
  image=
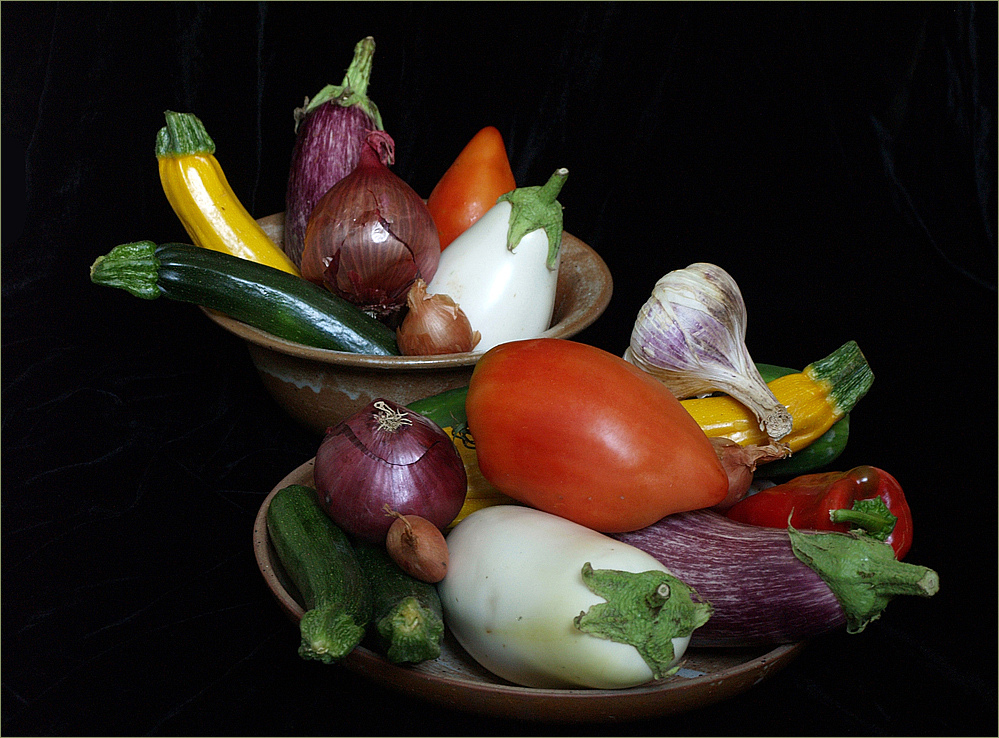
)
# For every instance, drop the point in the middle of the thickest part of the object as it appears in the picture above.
(455, 681)
(319, 387)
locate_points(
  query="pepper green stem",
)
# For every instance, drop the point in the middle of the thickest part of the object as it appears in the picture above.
(862, 572)
(847, 370)
(353, 91)
(183, 135)
(328, 633)
(646, 610)
(871, 515)
(412, 632)
(133, 267)
(534, 208)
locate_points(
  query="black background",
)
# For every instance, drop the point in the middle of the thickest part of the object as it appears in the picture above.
(838, 160)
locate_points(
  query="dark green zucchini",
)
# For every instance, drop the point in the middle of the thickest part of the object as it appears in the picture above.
(822, 451)
(407, 614)
(446, 409)
(322, 564)
(280, 303)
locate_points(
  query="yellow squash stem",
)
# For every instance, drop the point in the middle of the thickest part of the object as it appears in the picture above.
(200, 195)
(816, 398)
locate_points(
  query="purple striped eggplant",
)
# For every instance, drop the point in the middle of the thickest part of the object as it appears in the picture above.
(330, 130)
(773, 585)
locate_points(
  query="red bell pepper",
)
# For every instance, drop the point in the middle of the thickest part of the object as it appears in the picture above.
(864, 498)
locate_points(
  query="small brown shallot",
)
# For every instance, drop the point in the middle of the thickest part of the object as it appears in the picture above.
(740, 462)
(417, 546)
(434, 324)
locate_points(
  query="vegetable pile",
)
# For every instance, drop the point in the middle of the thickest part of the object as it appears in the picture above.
(574, 518)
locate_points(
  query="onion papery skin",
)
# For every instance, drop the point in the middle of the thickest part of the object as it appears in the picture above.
(327, 149)
(762, 594)
(371, 236)
(414, 469)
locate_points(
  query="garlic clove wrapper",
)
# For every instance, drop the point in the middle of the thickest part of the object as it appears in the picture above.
(434, 324)
(691, 335)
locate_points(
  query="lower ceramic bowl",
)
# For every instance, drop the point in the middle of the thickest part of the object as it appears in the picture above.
(455, 681)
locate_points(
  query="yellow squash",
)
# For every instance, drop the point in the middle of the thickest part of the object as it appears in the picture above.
(480, 492)
(816, 398)
(200, 195)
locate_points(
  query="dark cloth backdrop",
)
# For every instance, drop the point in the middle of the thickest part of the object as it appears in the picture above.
(838, 160)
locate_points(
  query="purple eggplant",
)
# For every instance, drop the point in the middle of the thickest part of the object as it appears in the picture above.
(330, 130)
(773, 585)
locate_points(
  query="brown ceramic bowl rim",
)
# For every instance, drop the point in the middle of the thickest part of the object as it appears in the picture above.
(571, 325)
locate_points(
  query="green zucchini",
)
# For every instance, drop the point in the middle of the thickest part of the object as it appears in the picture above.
(822, 451)
(407, 615)
(446, 409)
(322, 564)
(275, 301)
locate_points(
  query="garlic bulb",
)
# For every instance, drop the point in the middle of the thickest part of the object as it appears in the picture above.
(434, 325)
(691, 335)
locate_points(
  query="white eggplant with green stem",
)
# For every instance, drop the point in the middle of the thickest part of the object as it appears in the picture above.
(547, 603)
(502, 272)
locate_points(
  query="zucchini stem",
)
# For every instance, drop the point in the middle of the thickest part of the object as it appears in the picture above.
(328, 633)
(133, 267)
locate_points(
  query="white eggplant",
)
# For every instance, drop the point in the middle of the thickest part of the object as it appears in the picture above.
(544, 602)
(502, 271)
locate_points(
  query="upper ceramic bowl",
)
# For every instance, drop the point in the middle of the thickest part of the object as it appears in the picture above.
(319, 387)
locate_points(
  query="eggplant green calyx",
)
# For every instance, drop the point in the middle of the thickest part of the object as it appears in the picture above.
(353, 91)
(862, 572)
(133, 267)
(534, 208)
(646, 610)
(183, 135)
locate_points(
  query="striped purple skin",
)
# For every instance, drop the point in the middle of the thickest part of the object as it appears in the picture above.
(761, 593)
(327, 149)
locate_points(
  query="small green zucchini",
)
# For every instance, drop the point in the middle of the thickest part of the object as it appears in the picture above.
(322, 564)
(280, 303)
(446, 409)
(822, 451)
(407, 616)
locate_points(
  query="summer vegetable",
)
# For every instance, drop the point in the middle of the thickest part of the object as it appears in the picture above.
(691, 334)
(330, 131)
(407, 619)
(864, 498)
(258, 295)
(385, 456)
(587, 611)
(503, 270)
(324, 568)
(471, 185)
(817, 397)
(200, 195)
(579, 432)
(819, 453)
(370, 237)
(769, 586)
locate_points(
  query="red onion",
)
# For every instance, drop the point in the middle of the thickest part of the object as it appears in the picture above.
(330, 132)
(371, 236)
(387, 455)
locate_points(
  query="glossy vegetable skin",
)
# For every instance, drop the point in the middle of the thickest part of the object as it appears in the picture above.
(817, 397)
(769, 585)
(200, 195)
(324, 568)
(546, 603)
(471, 185)
(864, 498)
(258, 295)
(578, 432)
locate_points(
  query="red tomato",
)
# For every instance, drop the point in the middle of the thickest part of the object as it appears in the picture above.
(471, 185)
(579, 432)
